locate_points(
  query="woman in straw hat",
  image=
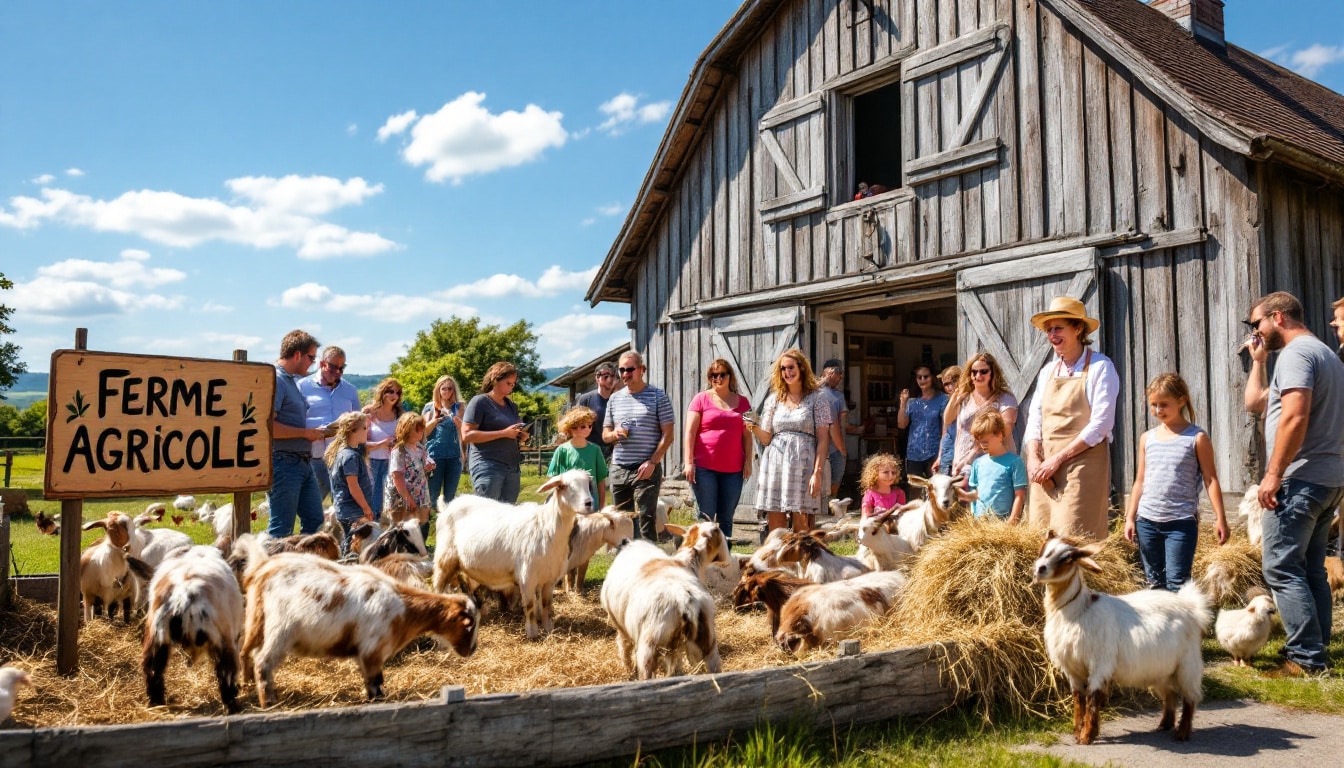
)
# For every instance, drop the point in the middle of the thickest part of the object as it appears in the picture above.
(1070, 424)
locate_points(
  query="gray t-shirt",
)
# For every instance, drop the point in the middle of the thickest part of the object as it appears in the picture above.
(835, 403)
(1307, 363)
(491, 417)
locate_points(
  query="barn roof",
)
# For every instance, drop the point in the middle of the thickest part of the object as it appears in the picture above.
(1237, 98)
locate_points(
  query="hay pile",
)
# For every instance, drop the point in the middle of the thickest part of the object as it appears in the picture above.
(971, 590)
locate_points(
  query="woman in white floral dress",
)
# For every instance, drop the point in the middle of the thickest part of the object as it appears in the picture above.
(793, 431)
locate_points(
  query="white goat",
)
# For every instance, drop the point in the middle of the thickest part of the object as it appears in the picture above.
(1146, 639)
(206, 512)
(152, 545)
(661, 612)
(922, 519)
(766, 556)
(721, 580)
(818, 613)
(195, 604)
(881, 548)
(184, 503)
(516, 549)
(10, 680)
(108, 576)
(314, 607)
(608, 526)
(1245, 631)
(816, 560)
(840, 507)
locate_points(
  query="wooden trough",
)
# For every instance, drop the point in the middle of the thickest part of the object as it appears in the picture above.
(544, 727)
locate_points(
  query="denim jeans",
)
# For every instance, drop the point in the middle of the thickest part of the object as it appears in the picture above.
(627, 494)
(378, 469)
(294, 492)
(1168, 551)
(836, 460)
(445, 477)
(1295, 533)
(716, 496)
(322, 473)
(495, 480)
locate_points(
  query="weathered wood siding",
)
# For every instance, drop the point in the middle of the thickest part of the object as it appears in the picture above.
(1067, 146)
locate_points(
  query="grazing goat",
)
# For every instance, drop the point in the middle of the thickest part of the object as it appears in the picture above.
(514, 549)
(184, 503)
(108, 576)
(1242, 633)
(661, 612)
(195, 604)
(405, 568)
(48, 525)
(608, 526)
(10, 680)
(323, 545)
(313, 607)
(721, 580)
(881, 548)
(816, 560)
(1146, 639)
(770, 588)
(404, 538)
(152, 545)
(818, 613)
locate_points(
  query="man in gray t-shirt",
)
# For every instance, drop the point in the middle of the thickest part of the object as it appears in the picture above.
(1304, 470)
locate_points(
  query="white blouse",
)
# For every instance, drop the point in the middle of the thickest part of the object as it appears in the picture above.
(1102, 387)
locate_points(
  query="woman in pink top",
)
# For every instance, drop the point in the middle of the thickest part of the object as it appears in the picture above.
(717, 448)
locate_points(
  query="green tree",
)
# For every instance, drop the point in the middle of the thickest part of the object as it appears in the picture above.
(10, 365)
(465, 349)
(8, 414)
(32, 421)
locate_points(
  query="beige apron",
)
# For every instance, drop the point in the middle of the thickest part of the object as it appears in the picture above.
(1078, 503)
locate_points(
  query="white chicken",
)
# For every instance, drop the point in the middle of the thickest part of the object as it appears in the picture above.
(10, 680)
(1243, 632)
(184, 503)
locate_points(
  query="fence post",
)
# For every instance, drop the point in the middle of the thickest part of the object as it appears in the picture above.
(4, 556)
(67, 596)
(242, 500)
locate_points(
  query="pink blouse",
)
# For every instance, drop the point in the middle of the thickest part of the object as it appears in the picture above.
(718, 444)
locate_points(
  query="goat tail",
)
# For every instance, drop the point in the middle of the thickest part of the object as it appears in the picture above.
(252, 549)
(1193, 595)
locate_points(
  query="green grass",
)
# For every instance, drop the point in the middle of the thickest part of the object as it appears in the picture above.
(27, 470)
(1223, 681)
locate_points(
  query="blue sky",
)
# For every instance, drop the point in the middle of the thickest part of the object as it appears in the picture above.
(191, 178)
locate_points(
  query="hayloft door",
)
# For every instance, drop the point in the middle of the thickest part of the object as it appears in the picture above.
(995, 304)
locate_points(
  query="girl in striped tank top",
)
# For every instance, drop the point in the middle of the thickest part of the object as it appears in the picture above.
(1164, 504)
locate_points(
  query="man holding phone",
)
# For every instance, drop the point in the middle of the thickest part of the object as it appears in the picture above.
(639, 421)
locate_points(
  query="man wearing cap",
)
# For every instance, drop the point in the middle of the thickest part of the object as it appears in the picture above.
(832, 376)
(597, 401)
(1070, 425)
(328, 396)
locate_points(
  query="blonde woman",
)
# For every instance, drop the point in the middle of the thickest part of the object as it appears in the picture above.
(982, 386)
(717, 448)
(348, 468)
(383, 409)
(794, 430)
(443, 441)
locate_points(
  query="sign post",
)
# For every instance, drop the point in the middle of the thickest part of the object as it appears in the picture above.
(122, 426)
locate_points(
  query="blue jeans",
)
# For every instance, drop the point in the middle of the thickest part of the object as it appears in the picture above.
(378, 469)
(1168, 551)
(1295, 534)
(495, 480)
(716, 496)
(322, 473)
(294, 492)
(445, 477)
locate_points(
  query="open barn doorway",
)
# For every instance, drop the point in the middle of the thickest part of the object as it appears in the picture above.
(882, 341)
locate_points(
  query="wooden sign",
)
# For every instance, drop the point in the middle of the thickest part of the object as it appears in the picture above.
(139, 425)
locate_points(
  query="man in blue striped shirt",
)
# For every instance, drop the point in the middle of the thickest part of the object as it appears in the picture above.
(639, 421)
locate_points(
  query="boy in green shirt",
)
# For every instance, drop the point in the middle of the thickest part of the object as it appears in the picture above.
(578, 453)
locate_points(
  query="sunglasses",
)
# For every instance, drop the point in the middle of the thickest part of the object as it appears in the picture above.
(923, 377)
(1254, 325)
(604, 375)
(332, 367)
(980, 371)
(396, 392)
(718, 375)
(627, 370)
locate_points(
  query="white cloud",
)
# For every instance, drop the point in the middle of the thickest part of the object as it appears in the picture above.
(588, 222)
(128, 273)
(211, 306)
(305, 295)
(623, 109)
(553, 281)
(579, 337)
(49, 298)
(73, 172)
(274, 219)
(1307, 61)
(387, 307)
(208, 345)
(613, 209)
(351, 129)
(45, 178)
(396, 125)
(135, 254)
(465, 138)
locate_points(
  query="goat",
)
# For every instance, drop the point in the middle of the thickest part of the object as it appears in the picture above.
(840, 507)
(404, 538)
(919, 520)
(721, 580)
(152, 545)
(405, 568)
(195, 604)
(306, 605)
(184, 503)
(1146, 639)
(817, 613)
(771, 588)
(206, 512)
(766, 556)
(514, 549)
(661, 612)
(10, 680)
(1334, 575)
(607, 526)
(1244, 632)
(816, 560)
(323, 545)
(881, 548)
(107, 574)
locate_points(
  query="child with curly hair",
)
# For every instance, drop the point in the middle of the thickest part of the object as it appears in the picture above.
(878, 481)
(578, 453)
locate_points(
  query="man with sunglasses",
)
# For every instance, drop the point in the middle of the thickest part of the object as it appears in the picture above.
(639, 420)
(328, 396)
(597, 400)
(1303, 406)
(294, 490)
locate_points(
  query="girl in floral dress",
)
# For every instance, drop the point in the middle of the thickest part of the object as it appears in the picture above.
(793, 431)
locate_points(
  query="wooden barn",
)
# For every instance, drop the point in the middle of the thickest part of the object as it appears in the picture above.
(1121, 152)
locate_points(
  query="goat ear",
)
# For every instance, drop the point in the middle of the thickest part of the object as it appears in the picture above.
(95, 524)
(836, 534)
(550, 485)
(1089, 564)
(675, 530)
(917, 480)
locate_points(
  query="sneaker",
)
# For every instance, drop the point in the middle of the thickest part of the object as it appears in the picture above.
(1291, 669)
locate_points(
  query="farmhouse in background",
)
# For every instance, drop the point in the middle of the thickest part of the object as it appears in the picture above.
(1116, 151)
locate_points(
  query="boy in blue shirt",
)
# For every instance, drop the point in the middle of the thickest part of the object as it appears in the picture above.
(998, 478)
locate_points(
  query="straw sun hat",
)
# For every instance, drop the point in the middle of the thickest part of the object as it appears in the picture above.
(1067, 308)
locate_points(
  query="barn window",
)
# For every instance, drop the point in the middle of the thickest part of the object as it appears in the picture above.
(875, 125)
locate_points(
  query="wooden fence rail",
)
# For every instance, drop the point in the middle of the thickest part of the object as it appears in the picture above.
(543, 727)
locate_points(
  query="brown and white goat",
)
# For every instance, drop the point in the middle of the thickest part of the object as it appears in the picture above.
(323, 545)
(881, 547)
(1145, 639)
(771, 588)
(817, 614)
(108, 576)
(815, 560)
(608, 526)
(194, 603)
(922, 519)
(313, 607)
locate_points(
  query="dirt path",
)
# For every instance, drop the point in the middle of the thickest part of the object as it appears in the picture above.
(1227, 734)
